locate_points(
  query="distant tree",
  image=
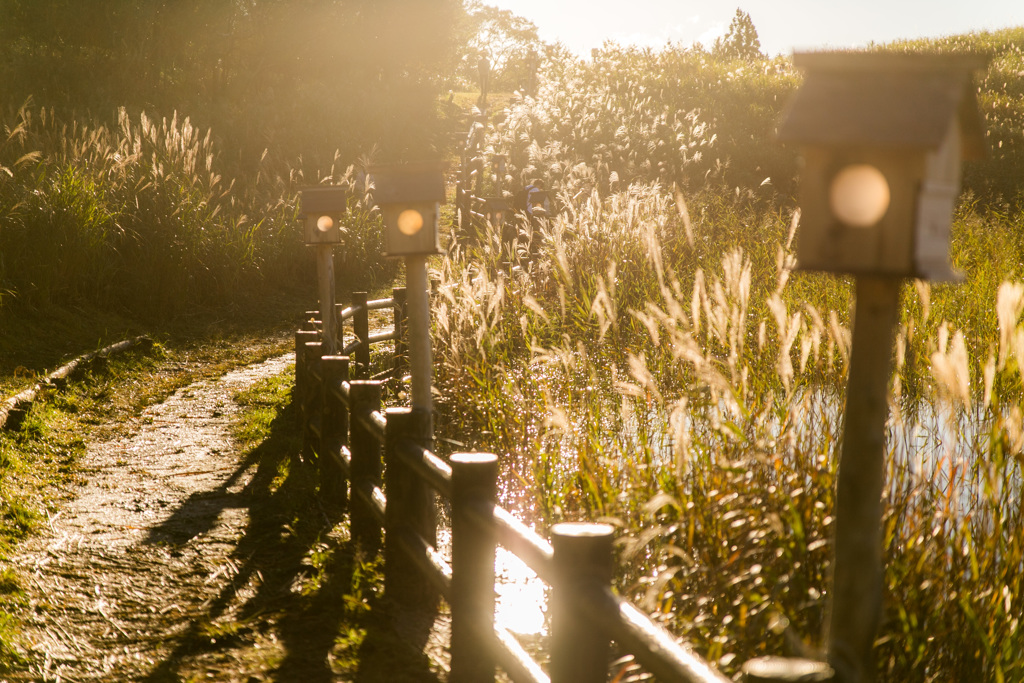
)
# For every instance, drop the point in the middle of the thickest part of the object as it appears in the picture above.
(740, 41)
(507, 41)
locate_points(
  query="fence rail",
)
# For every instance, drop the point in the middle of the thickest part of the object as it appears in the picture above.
(379, 463)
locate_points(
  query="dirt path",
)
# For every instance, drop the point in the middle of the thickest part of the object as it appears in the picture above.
(147, 554)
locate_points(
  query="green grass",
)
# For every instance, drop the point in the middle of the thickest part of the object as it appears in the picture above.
(261, 404)
(36, 342)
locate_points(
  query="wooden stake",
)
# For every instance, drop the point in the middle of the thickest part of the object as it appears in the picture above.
(474, 492)
(583, 565)
(325, 281)
(420, 362)
(857, 571)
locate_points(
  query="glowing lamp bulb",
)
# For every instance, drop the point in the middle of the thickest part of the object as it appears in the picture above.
(410, 222)
(859, 195)
(324, 223)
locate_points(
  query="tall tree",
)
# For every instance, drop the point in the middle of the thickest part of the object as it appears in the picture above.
(507, 41)
(740, 41)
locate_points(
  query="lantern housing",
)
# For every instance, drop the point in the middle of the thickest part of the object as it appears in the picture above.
(882, 138)
(409, 197)
(496, 210)
(322, 209)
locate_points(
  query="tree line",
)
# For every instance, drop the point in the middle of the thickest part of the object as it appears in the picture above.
(295, 75)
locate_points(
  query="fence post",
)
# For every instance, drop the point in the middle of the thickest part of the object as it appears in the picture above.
(361, 329)
(583, 565)
(410, 510)
(333, 433)
(301, 379)
(421, 365)
(474, 493)
(460, 221)
(401, 323)
(339, 308)
(364, 398)
(311, 402)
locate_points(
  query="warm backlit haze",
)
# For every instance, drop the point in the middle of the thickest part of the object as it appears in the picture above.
(782, 25)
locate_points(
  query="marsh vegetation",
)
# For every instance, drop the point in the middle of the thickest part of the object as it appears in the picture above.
(648, 356)
(651, 358)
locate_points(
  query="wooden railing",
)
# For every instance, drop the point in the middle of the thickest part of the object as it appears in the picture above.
(357, 315)
(378, 463)
(473, 212)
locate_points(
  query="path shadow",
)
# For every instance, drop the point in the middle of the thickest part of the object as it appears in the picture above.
(200, 511)
(393, 649)
(298, 576)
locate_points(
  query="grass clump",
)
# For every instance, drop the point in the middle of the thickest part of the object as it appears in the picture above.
(139, 216)
(261, 404)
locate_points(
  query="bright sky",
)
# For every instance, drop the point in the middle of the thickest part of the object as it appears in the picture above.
(782, 25)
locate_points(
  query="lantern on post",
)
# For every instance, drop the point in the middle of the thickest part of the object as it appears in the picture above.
(409, 197)
(538, 204)
(496, 210)
(322, 209)
(882, 136)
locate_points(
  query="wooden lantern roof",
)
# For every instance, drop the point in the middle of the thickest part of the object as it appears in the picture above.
(885, 100)
(408, 183)
(323, 200)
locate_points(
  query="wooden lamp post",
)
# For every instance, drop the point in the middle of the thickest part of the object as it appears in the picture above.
(409, 197)
(322, 209)
(496, 210)
(882, 137)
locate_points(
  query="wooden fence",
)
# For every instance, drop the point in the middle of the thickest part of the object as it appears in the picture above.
(378, 463)
(473, 212)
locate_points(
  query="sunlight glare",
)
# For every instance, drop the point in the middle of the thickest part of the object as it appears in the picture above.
(859, 195)
(520, 596)
(410, 222)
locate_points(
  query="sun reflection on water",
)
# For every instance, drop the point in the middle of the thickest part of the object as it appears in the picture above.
(520, 597)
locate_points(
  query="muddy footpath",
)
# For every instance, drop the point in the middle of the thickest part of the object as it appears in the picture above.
(173, 561)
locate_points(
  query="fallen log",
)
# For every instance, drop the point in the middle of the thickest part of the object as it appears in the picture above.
(13, 409)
